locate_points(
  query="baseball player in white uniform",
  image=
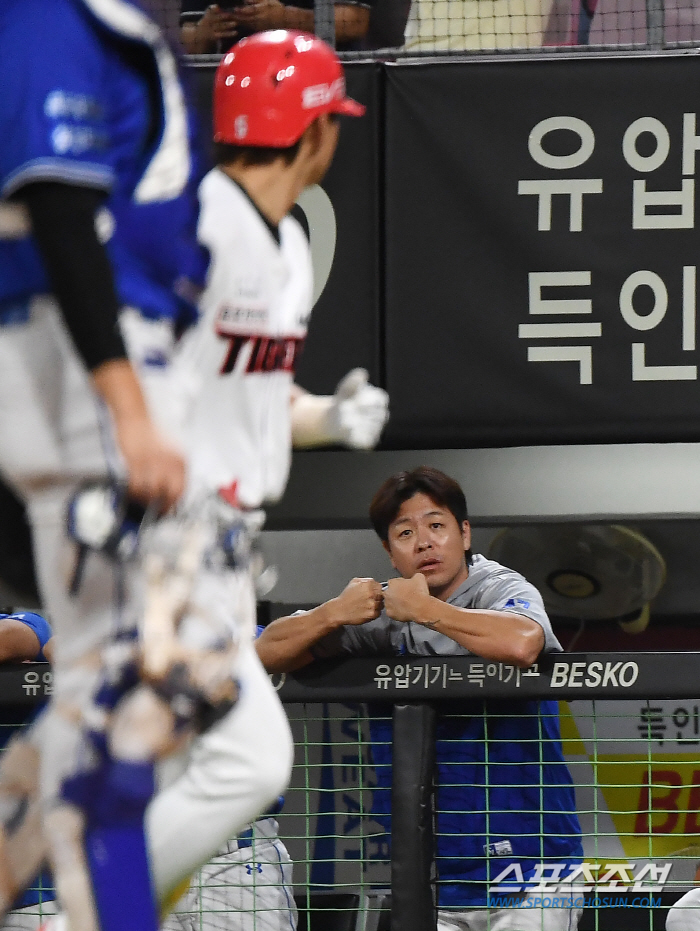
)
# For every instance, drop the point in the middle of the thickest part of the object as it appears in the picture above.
(684, 915)
(276, 100)
(246, 886)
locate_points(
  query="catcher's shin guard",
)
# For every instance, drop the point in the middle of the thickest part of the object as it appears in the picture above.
(189, 639)
(99, 849)
(116, 851)
(112, 796)
(100, 867)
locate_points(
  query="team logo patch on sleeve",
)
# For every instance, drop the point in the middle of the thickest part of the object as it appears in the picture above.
(517, 603)
(502, 848)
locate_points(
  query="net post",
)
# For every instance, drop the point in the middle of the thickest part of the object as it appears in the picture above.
(412, 833)
(655, 24)
(324, 21)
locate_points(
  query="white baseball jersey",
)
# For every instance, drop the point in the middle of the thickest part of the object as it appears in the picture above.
(236, 366)
(247, 886)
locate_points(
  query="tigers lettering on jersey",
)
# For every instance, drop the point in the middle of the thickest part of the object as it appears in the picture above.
(266, 353)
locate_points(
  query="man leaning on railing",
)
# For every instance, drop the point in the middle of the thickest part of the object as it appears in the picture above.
(505, 799)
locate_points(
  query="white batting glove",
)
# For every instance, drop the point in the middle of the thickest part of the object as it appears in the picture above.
(358, 411)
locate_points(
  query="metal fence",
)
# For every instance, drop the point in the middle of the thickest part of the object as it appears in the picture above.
(631, 740)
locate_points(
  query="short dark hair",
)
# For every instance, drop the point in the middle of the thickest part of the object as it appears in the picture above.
(248, 155)
(440, 488)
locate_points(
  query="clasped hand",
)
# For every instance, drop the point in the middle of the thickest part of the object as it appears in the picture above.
(403, 597)
(362, 600)
(261, 14)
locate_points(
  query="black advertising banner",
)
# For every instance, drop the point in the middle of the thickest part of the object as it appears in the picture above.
(341, 218)
(345, 327)
(446, 678)
(541, 251)
(430, 678)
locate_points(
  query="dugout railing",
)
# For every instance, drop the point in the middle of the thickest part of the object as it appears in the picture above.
(631, 735)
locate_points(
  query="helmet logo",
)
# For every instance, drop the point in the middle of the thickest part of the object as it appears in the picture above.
(319, 95)
(285, 73)
(240, 126)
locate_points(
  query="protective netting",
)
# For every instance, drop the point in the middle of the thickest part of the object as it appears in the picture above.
(321, 860)
(454, 25)
(635, 770)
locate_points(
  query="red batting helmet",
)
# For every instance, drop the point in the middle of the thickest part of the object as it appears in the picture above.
(271, 86)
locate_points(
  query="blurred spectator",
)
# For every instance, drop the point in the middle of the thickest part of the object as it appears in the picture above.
(582, 20)
(217, 27)
(478, 25)
(387, 24)
(213, 30)
(569, 22)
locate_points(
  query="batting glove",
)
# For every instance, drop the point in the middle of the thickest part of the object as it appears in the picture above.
(358, 411)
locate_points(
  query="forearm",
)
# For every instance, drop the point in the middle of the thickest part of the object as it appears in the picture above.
(116, 382)
(310, 417)
(18, 642)
(286, 643)
(495, 635)
(78, 267)
(155, 471)
(194, 40)
(293, 17)
(351, 22)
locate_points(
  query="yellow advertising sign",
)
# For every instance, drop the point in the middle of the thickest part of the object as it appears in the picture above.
(636, 767)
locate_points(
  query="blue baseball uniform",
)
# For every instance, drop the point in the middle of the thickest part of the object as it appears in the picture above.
(93, 103)
(504, 796)
(89, 101)
(504, 793)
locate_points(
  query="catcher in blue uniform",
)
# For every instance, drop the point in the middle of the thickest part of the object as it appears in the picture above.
(99, 271)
